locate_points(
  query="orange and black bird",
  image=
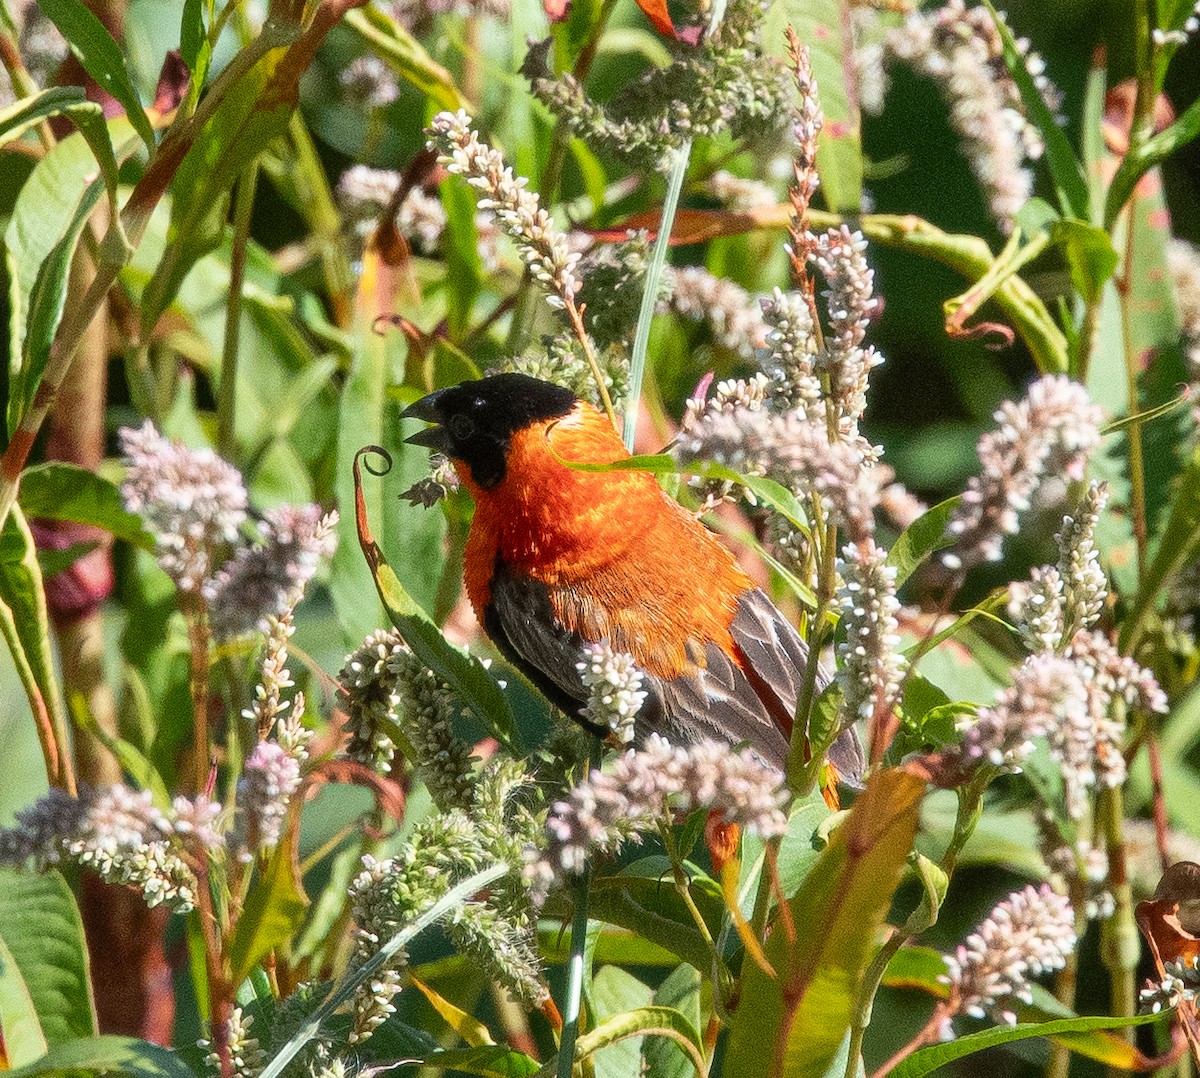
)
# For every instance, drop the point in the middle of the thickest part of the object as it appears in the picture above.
(558, 558)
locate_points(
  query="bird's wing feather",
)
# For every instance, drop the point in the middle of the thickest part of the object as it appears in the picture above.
(716, 701)
(719, 699)
(773, 649)
(522, 624)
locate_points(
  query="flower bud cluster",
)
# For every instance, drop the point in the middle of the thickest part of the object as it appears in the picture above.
(643, 785)
(1030, 933)
(1047, 434)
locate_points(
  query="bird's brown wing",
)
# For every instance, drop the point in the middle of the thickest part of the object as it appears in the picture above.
(522, 624)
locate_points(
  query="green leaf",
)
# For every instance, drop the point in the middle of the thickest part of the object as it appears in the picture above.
(273, 913)
(615, 945)
(463, 671)
(973, 258)
(41, 929)
(50, 212)
(407, 57)
(650, 906)
(101, 58)
(192, 35)
(819, 25)
(615, 992)
(59, 491)
(642, 1022)
(1141, 159)
(21, 1037)
(412, 538)
(1089, 255)
(491, 1061)
(25, 624)
(917, 967)
(66, 101)
(927, 1060)
(681, 991)
(921, 538)
(1065, 170)
(108, 1055)
(835, 915)
(254, 110)
(54, 562)
(464, 264)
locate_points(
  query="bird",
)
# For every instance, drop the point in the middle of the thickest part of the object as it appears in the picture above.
(558, 558)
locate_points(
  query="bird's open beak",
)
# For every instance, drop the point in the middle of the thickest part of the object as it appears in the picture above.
(433, 437)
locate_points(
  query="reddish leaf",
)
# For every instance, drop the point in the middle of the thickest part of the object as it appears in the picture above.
(389, 795)
(656, 12)
(698, 226)
(556, 10)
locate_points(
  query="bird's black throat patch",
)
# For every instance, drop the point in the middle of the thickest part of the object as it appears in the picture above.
(476, 420)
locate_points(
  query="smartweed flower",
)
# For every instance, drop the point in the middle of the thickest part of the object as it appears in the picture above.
(615, 693)
(1048, 433)
(1030, 933)
(192, 500)
(872, 664)
(265, 580)
(633, 797)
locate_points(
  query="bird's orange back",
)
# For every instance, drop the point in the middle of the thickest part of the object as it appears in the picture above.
(621, 560)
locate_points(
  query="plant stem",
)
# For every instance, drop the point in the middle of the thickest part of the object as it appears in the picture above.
(654, 271)
(243, 204)
(1119, 942)
(1137, 468)
(575, 966)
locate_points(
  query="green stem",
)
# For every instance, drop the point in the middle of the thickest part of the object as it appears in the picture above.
(1137, 468)
(243, 204)
(576, 961)
(654, 272)
(1119, 943)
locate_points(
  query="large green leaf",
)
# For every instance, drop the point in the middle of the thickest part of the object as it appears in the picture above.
(615, 992)
(40, 927)
(834, 917)
(927, 1060)
(50, 212)
(661, 1056)
(60, 491)
(21, 1036)
(412, 537)
(273, 913)
(114, 1056)
(101, 58)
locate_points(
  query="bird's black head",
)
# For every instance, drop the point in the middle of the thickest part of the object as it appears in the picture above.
(475, 421)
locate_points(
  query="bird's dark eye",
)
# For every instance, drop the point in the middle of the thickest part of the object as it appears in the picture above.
(461, 426)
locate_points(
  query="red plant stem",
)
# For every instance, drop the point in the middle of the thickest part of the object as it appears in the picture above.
(1158, 800)
(928, 1034)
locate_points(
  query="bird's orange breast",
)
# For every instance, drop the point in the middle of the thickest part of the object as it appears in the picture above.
(621, 560)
